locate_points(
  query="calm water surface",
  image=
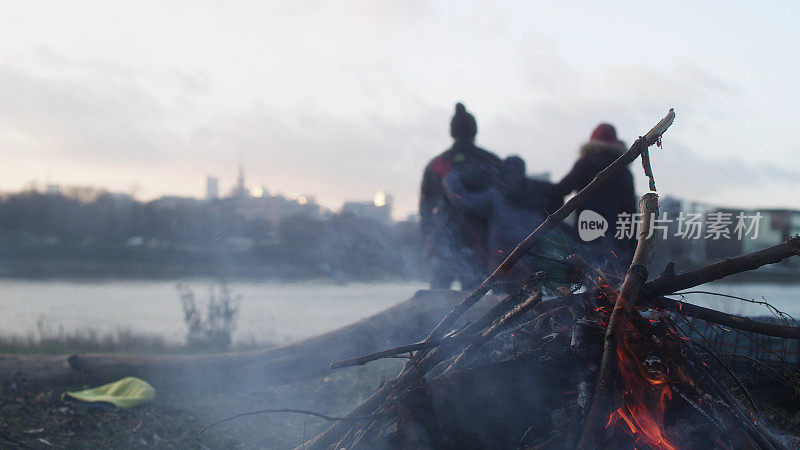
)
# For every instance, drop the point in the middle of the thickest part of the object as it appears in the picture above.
(269, 312)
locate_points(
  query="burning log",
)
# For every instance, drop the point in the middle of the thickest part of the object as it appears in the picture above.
(623, 305)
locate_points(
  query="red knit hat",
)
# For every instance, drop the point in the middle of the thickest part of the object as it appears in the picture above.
(605, 132)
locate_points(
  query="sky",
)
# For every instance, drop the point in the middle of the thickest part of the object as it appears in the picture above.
(340, 99)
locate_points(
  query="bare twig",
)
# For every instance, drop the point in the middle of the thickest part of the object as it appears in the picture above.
(285, 410)
(760, 435)
(505, 322)
(648, 170)
(671, 283)
(361, 360)
(772, 309)
(730, 320)
(718, 359)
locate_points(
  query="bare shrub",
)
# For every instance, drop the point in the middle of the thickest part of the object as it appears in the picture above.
(214, 330)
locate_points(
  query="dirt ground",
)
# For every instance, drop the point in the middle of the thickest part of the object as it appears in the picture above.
(33, 416)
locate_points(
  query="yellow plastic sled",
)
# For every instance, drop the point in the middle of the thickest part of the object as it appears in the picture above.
(122, 394)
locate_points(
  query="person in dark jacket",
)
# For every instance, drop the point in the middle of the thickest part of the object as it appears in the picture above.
(512, 208)
(614, 198)
(455, 239)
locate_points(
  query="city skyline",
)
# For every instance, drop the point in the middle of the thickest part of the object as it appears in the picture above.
(238, 189)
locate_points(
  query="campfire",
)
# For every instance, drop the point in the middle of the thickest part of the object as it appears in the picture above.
(611, 362)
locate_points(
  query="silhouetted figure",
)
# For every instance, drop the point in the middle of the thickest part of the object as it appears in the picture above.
(512, 208)
(504, 205)
(614, 198)
(455, 239)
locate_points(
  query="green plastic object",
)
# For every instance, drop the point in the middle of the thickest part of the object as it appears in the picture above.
(122, 394)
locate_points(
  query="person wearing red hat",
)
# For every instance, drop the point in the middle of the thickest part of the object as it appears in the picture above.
(454, 238)
(614, 198)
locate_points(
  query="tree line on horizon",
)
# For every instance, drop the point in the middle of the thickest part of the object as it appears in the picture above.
(107, 225)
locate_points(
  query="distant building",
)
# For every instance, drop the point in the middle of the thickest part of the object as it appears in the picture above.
(175, 201)
(84, 194)
(212, 188)
(776, 226)
(271, 210)
(380, 208)
(240, 191)
(723, 232)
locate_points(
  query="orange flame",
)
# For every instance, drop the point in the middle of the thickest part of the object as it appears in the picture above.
(647, 393)
(646, 396)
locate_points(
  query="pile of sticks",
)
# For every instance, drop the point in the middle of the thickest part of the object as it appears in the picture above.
(621, 341)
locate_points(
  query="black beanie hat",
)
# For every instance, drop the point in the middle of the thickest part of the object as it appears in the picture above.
(463, 124)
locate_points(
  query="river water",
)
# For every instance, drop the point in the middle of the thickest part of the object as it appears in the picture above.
(268, 312)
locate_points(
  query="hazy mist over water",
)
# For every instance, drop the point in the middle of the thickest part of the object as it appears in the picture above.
(268, 312)
(271, 312)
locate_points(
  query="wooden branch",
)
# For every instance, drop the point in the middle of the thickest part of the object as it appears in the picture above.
(413, 372)
(487, 334)
(636, 276)
(361, 360)
(492, 314)
(719, 361)
(648, 208)
(648, 170)
(280, 410)
(415, 369)
(467, 339)
(760, 435)
(670, 283)
(728, 320)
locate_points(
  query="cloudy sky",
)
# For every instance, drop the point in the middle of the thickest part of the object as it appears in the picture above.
(340, 99)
